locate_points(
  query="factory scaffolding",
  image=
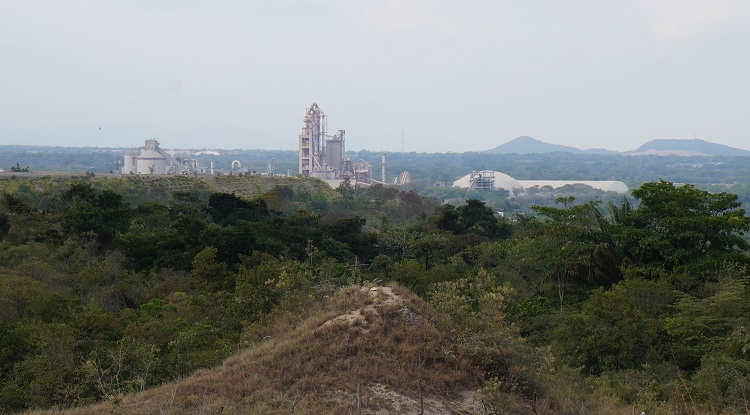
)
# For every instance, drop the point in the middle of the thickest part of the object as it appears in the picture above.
(321, 155)
(311, 150)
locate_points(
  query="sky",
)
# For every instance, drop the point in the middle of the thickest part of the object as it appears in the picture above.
(412, 75)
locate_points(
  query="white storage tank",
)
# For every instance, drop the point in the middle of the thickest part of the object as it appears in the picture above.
(129, 164)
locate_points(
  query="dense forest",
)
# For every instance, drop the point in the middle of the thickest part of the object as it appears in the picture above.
(111, 286)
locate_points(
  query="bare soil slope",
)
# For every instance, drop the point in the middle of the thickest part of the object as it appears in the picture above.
(379, 348)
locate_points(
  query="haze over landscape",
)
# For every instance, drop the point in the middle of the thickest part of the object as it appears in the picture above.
(383, 207)
(450, 76)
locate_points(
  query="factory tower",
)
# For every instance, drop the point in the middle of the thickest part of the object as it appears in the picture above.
(322, 155)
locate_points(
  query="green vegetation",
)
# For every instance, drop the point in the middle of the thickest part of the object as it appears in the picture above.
(109, 287)
(18, 169)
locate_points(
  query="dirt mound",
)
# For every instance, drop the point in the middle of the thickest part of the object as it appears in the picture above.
(377, 348)
(381, 296)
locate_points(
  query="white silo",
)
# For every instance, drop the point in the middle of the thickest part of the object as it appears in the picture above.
(129, 164)
(151, 161)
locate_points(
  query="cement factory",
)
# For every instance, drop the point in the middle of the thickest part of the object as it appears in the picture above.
(323, 156)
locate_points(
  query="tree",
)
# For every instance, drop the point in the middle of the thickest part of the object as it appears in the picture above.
(233, 240)
(702, 326)
(257, 285)
(208, 273)
(226, 208)
(350, 232)
(4, 225)
(126, 367)
(297, 230)
(474, 217)
(575, 245)
(683, 228)
(617, 213)
(105, 214)
(18, 169)
(609, 333)
(476, 306)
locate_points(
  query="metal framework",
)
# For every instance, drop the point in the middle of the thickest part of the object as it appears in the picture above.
(482, 180)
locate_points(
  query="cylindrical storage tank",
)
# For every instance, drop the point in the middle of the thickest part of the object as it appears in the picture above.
(334, 156)
(128, 165)
(151, 162)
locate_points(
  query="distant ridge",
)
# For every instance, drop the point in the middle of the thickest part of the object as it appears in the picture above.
(691, 147)
(530, 145)
(661, 147)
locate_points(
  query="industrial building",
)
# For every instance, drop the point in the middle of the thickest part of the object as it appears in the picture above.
(324, 156)
(153, 160)
(490, 179)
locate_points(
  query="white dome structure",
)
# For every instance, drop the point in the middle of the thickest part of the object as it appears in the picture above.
(607, 186)
(491, 179)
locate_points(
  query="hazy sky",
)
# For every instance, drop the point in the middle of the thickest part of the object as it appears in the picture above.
(451, 75)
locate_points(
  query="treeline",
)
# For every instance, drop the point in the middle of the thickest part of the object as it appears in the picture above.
(430, 168)
(584, 304)
(633, 170)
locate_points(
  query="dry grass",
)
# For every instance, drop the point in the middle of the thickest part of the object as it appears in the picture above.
(382, 339)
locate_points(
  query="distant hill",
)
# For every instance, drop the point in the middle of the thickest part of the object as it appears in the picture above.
(662, 147)
(530, 145)
(692, 147)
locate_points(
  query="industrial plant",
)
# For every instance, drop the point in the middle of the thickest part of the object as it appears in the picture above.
(153, 160)
(323, 156)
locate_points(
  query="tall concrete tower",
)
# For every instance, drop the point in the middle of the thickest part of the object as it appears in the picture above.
(311, 140)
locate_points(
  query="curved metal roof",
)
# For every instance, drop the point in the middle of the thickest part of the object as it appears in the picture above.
(504, 181)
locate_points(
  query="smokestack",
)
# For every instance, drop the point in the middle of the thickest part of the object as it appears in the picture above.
(382, 163)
